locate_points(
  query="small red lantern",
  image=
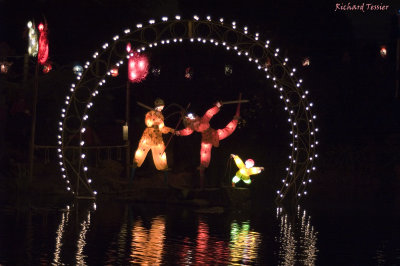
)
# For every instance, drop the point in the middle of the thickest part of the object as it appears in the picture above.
(188, 73)
(114, 72)
(306, 62)
(47, 67)
(383, 51)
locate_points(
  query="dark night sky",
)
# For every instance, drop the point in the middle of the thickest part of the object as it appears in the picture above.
(78, 27)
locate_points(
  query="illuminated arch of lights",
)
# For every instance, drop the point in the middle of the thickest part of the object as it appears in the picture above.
(230, 36)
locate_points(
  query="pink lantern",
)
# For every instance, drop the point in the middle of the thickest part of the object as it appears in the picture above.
(43, 53)
(138, 67)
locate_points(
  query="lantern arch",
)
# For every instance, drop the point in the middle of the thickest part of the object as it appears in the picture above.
(231, 37)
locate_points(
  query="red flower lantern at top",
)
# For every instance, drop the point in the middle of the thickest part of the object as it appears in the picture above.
(43, 53)
(138, 66)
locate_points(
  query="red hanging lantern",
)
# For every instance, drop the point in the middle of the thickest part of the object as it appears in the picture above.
(383, 51)
(138, 66)
(47, 67)
(43, 53)
(114, 71)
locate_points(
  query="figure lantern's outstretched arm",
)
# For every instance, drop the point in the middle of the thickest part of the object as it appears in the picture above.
(225, 132)
(166, 130)
(238, 161)
(255, 170)
(210, 113)
(184, 132)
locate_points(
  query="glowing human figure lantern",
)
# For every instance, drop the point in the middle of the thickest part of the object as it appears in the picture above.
(246, 169)
(209, 137)
(152, 138)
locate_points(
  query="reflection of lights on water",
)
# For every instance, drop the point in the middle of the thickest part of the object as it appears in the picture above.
(308, 240)
(59, 235)
(202, 242)
(80, 257)
(298, 239)
(147, 246)
(287, 249)
(204, 249)
(244, 243)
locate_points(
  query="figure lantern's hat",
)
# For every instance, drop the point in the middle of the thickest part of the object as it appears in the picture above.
(159, 102)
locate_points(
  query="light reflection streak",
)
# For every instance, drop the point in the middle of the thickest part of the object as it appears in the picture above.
(297, 238)
(202, 242)
(244, 243)
(80, 257)
(147, 246)
(59, 235)
(204, 249)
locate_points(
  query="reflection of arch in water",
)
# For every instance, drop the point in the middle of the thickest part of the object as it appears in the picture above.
(65, 221)
(81, 242)
(59, 235)
(297, 238)
(238, 41)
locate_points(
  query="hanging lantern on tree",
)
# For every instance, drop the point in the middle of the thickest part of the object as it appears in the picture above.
(114, 71)
(156, 71)
(138, 66)
(383, 51)
(306, 62)
(188, 73)
(4, 66)
(47, 67)
(228, 70)
(77, 69)
(33, 39)
(43, 53)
